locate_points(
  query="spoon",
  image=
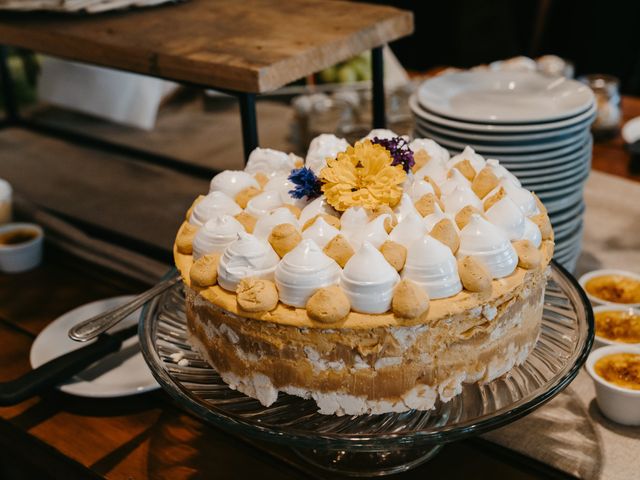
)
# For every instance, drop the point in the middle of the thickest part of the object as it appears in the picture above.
(98, 324)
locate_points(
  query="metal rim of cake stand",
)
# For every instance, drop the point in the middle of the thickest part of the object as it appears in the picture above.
(361, 445)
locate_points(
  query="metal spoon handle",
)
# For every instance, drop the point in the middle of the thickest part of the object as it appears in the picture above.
(98, 324)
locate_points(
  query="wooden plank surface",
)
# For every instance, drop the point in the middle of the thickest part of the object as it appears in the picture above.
(252, 45)
(130, 198)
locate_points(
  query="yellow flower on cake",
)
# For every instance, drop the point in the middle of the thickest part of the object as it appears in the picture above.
(362, 176)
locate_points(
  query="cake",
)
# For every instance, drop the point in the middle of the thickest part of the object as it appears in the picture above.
(372, 278)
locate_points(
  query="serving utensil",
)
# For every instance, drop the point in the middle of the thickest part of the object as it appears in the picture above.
(98, 324)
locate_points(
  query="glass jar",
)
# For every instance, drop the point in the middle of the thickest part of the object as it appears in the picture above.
(607, 92)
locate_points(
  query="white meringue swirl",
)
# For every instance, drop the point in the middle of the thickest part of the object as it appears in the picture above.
(490, 244)
(246, 257)
(431, 265)
(500, 172)
(436, 152)
(353, 219)
(506, 215)
(320, 232)
(232, 182)
(477, 161)
(270, 162)
(322, 147)
(368, 280)
(215, 235)
(302, 271)
(318, 206)
(264, 202)
(267, 222)
(213, 205)
(532, 233)
(408, 230)
(454, 180)
(522, 197)
(459, 198)
(405, 208)
(373, 232)
(419, 188)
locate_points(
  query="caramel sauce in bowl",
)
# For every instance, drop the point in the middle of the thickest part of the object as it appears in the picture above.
(616, 325)
(615, 371)
(612, 287)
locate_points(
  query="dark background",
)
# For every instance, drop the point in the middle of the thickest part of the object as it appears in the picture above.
(598, 36)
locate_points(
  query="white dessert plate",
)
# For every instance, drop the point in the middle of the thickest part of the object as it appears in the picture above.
(504, 97)
(565, 163)
(555, 203)
(495, 150)
(550, 173)
(555, 182)
(567, 214)
(119, 374)
(542, 158)
(419, 112)
(534, 137)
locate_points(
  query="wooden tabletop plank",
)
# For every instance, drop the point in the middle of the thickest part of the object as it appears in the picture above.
(253, 45)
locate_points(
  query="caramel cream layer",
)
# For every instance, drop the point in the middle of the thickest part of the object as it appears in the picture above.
(502, 290)
(378, 363)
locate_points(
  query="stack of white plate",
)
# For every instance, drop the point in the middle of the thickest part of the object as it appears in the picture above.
(537, 126)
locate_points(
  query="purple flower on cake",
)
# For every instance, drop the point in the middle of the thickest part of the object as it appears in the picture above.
(306, 182)
(399, 149)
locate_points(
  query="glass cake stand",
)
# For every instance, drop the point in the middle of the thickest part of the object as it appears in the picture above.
(370, 445)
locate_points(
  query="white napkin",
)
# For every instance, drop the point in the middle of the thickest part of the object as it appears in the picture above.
(122, 97)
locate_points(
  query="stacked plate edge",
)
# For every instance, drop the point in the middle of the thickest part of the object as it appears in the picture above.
(536, 126)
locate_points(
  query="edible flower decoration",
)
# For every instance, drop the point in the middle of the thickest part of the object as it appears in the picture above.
(306, 183)
(400, 151)
(364, 175)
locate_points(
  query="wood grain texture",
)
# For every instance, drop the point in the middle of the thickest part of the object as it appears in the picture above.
(252, 45)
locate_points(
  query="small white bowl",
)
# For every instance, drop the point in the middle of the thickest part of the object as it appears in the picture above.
(631, 130)
(22, 256)
(600, 273)
(605, 342)
(622, 405)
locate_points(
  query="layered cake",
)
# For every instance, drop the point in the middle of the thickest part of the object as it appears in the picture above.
(375, 277)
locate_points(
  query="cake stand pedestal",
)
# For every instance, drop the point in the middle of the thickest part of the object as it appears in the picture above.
(372, 445)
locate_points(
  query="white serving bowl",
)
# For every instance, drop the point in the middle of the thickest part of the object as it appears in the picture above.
(622, 405)
(22, 256)
(599, 273)
(605, 342)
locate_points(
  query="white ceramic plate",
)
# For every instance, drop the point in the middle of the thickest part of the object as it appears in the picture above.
(563, 165)
(507, 138)
(121, 373)
(496, 150)
(504, 97)
(568, 213)
(556, 203)
(575, 178)
(562, 228)
(543, 158)
(419, 112)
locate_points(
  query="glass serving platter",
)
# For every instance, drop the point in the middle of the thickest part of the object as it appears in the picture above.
(372, 444)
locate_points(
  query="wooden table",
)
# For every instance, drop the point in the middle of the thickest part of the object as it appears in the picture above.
(244, 48)
(60, 436)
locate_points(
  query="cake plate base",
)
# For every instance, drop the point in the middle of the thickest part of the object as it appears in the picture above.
(367, 464)
(372, 445)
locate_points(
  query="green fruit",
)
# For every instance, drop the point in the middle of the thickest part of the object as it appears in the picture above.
(347, 74)
(363, 70)
(328, 75)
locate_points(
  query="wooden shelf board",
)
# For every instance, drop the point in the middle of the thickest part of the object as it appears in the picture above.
(251, 46)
